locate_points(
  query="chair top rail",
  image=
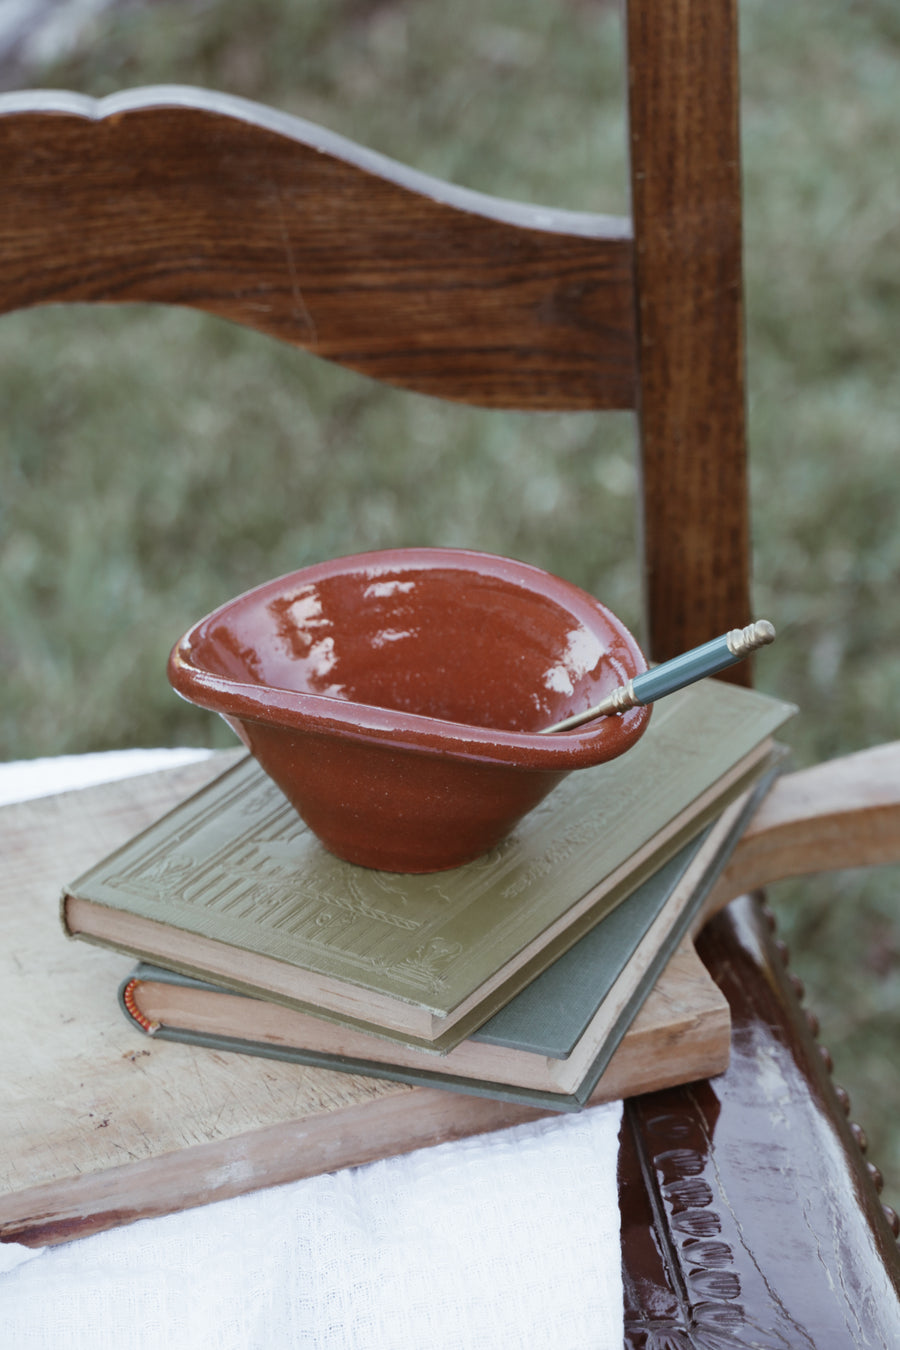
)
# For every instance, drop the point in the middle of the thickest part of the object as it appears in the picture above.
(185, 196)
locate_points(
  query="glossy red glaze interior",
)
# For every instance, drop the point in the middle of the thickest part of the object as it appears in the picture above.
(396, 697)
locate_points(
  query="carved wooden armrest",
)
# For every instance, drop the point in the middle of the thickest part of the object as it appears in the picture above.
(844, 813)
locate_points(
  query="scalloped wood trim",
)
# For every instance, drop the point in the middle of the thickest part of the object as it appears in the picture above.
(186, 197)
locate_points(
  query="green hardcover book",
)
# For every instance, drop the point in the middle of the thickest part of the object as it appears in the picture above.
(232, 887)
(549, 1046)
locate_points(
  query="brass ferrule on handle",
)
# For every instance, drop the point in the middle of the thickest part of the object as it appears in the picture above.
(742, 641)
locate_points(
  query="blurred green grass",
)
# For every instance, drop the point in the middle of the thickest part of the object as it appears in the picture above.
(157, 462)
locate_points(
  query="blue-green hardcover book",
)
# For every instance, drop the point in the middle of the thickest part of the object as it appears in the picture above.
(547, 1047)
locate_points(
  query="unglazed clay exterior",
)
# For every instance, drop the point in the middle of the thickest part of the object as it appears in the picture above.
(396, 697)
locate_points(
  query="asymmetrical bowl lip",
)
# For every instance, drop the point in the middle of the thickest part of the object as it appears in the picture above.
(296, 710)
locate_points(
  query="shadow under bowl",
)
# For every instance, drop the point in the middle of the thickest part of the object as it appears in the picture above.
(396, 697)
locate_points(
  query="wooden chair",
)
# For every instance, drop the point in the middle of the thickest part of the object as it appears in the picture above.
(750, 1216)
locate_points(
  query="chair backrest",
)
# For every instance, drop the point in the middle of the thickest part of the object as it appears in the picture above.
(184, 197)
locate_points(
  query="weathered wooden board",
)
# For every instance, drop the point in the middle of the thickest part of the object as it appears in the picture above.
(101, 1126)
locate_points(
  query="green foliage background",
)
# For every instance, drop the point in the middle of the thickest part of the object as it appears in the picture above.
(157, 462)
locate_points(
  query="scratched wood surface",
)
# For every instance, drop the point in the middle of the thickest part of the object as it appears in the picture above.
(187, 197)
(101, 1125)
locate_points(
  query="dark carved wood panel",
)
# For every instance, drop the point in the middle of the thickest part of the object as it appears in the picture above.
(191, 198)
(750, 1217)
(686, 192)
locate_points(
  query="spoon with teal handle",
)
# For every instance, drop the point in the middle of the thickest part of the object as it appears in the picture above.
(707, 659)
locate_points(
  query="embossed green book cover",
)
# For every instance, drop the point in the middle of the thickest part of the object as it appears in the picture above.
(551, 1044)
(231, 886)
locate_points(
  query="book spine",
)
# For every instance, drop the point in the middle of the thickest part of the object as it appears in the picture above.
(132, 1011)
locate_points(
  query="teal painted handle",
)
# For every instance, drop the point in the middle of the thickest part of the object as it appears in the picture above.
(696, 664)
(681, 670)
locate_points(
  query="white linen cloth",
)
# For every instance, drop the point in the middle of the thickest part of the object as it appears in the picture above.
(504, 1240)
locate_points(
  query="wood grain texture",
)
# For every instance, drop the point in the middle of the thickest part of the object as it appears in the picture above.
(843, 813)
(749, 1218)
(185, 197)
(100, 1126)
(686, 197)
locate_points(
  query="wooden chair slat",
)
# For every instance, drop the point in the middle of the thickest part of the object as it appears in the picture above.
(686, 196)
(184, 197)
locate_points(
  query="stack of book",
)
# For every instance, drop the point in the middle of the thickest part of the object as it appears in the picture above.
(516, 976)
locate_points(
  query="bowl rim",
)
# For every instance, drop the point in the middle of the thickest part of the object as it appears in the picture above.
(327, 714)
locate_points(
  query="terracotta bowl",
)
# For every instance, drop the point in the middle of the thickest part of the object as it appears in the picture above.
(396, 697)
